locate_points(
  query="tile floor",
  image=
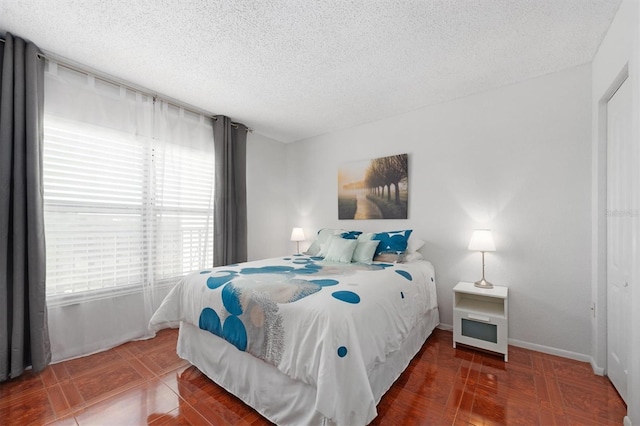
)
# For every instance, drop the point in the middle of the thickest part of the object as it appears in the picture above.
(146, 383)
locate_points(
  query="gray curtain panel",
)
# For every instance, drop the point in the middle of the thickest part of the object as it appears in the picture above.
(24, 335)
(230, 197)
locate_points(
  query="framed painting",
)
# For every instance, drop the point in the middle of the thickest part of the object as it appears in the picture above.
(374, 189)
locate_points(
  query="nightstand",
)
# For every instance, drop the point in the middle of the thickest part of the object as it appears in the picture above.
(480, 317)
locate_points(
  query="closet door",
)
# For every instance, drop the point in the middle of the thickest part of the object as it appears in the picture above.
(620, 216)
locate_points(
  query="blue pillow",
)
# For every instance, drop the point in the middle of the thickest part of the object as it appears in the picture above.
(351, 235)
(394, 241)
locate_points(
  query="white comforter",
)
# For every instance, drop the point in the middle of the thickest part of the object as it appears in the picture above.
(322, 323)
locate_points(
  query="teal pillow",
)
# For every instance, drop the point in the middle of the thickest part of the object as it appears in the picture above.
(394, 241)
(350, 235)
(341, 250)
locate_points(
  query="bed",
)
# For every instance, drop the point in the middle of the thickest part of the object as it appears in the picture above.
(301, 339)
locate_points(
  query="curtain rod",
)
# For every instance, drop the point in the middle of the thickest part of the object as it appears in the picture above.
(80, 68)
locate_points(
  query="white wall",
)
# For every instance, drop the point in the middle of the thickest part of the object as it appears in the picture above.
(616, 58)
(516, 160)
(268, 232)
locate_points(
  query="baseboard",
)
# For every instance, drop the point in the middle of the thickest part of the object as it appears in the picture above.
(547, 350)
(445, 327)
(596, 369)
(551, 351)
(559, 352)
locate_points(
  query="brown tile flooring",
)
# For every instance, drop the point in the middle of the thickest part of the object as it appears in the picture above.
(146, 383)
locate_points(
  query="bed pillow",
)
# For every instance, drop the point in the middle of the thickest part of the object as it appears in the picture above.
(394, 241)
(351, 235)
(414, 244)
(313, 249)
(390, 257)
(410, 257)
(340, 250)
(323, 237)
(364, 251)
(324, 247)
(366, 236)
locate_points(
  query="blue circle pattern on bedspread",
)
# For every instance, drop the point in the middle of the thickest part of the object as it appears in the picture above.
(234, 329)
(346, 296)
(210, 321)
(325, 283)
(218, 281)
(234, 332)
(404, 274)
(231, 299)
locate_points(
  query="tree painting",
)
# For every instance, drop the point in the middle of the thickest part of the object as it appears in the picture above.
(374, 189)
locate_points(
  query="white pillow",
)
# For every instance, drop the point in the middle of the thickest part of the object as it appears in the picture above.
(410, 257)
(341, 250)
(323, 238)
(366, 236)
(364, 251)
(324, 247)
(414, 244)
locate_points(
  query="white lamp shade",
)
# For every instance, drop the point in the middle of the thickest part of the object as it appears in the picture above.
(481, 240)
(297, 234)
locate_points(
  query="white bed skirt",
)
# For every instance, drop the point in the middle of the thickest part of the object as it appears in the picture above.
(277, 397)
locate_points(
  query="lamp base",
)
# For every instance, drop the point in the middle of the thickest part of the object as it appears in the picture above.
(483, 284)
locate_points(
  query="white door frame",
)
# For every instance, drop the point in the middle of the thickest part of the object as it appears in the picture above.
(623, 226)
(599, 237)
(599, 244)
(599, 240)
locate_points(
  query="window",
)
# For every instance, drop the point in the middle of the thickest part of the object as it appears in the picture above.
(128, 188)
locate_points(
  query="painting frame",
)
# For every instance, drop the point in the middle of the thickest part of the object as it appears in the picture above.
(374, 189)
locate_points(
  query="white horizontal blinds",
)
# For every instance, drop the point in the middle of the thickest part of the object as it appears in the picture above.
(126, 203)
(94, 226)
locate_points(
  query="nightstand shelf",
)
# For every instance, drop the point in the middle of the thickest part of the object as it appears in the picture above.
(480, 317)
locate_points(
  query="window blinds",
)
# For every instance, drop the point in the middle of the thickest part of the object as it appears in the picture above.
(128, 188)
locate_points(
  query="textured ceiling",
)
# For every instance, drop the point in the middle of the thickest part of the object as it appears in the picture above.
(292, 69)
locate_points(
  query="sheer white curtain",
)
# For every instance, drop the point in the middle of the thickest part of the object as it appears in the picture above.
(128, 188)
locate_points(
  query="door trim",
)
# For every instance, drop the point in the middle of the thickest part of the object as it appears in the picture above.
(599, 230)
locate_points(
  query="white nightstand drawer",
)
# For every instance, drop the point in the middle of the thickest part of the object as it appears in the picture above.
(476, 317)
(482, 330)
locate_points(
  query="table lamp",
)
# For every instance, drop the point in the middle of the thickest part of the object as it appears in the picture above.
(297, 235)
(482, 241)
